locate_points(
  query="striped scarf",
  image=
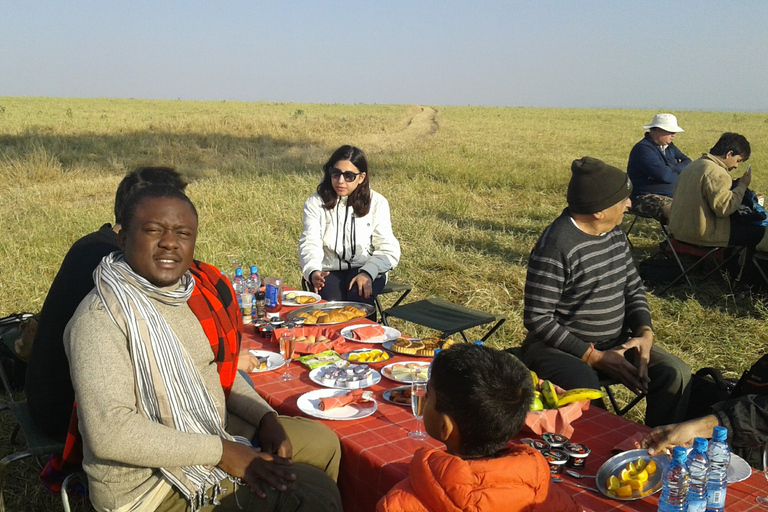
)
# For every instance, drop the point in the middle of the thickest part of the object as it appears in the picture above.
(169, 389)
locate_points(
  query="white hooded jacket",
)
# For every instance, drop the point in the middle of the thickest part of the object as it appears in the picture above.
(337, 240)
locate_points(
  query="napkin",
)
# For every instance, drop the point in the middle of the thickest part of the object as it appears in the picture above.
(351, 397)
(369, 333)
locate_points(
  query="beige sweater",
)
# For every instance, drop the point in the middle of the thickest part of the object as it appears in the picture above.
(122, 448)
(703, 201)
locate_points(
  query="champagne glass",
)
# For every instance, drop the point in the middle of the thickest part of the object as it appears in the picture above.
(761, 500)
(418, 403)
(287, 346)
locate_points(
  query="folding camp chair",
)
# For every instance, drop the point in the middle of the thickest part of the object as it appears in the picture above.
(446, 317)
(392, 287)
(38, 443)
(700, 254)
(638, 215)
(606, 383)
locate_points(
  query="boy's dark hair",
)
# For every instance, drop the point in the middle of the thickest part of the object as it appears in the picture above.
(486, 392)
(151, 191)
(732, 142)
(143, 177)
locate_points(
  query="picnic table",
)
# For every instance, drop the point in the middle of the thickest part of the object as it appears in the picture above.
(376, 450)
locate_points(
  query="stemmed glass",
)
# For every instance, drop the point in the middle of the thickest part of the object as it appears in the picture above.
(418, 403)
(760, 499)
(287, 346)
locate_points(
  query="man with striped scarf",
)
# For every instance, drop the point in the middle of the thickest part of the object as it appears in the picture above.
(153, 360)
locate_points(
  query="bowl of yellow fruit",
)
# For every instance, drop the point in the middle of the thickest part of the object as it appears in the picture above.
(631, 475)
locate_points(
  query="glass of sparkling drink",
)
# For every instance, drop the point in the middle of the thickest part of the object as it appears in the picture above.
(418, 403)
(287, 346)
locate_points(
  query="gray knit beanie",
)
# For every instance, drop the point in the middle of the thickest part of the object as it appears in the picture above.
(595, 186)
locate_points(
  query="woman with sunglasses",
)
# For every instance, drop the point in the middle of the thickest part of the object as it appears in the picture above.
(347, 245)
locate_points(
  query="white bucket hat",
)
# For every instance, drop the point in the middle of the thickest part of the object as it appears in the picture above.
(666, 122)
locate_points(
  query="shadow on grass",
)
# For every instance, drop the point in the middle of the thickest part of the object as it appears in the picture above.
(228, 154)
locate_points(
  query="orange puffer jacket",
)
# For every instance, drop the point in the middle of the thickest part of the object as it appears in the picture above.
(517, 480)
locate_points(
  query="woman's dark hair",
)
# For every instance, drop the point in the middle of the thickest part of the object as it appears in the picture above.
(150, 192)
(360, 199)
(486, 392)
(143, 177)
(732, 142)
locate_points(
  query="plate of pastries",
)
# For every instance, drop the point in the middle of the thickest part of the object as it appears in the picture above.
(328, 313)
(424, 347)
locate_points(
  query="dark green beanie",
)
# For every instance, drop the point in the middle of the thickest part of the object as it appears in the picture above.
(595, 186)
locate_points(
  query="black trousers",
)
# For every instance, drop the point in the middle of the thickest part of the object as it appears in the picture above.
(337, 286)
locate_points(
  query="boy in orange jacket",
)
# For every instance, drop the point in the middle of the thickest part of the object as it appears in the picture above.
(477, 399)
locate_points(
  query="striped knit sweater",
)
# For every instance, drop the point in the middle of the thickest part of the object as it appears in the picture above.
(582, 288)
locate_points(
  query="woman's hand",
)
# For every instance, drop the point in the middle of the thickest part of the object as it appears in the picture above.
(364, 285)
(318, 279)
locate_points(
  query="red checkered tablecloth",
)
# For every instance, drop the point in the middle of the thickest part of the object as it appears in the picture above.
(376, 450)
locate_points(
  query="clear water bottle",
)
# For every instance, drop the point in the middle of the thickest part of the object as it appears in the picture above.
(698, 470)
(719, 457)
(254, 283)
(674, 483)
(239, 285)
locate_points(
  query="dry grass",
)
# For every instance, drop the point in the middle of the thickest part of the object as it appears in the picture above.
(470, 191)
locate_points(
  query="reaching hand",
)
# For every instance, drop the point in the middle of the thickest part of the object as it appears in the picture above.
(247, 362)
(363, 283)
(681, 434)
(318, 279)
(255, 467)
(272, 437)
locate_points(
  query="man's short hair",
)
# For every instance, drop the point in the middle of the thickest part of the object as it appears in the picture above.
(486, 392)
(142, 177)
(735, 142)
(151, 192)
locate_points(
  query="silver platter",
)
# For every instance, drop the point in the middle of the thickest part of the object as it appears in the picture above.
(329, 306)
(615, 464)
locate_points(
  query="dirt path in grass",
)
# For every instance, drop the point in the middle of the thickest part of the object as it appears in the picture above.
(420, 126)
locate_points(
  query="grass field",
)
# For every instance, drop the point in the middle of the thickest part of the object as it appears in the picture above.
(470, 190)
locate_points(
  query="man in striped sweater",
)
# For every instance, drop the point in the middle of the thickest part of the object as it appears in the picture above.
(585, 307)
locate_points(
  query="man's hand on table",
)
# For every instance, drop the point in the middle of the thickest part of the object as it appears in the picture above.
(272, 437)
(318, 279)
(247, 361)
(681, 434)
(255, 467)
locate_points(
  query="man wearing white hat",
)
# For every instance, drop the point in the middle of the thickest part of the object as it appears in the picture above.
(654, 165)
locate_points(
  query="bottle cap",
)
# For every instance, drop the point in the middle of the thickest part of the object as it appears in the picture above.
(238, 272)
(254, 270)
(719, 434)
(479, 342)
(700, 444)
(679, 453)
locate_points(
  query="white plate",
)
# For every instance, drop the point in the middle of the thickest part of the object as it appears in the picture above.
(738, 469)
(390, 334)
(407, 380)
(387, 395)
(274, 360)
(313, 375)
(309, 402)
(299, 293)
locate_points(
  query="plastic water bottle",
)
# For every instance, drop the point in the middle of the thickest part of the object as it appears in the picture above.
(698, 469)
(674, 483)
(719, 457)
(253, 283)
(239, 285)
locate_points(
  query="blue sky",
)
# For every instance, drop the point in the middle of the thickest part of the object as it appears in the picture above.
(673, 55)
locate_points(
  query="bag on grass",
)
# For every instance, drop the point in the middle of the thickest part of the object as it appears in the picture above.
(708, 387)
(16, 334)
(659, 269)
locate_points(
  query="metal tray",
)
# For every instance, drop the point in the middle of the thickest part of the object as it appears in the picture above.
(615, 464)
(328, 306)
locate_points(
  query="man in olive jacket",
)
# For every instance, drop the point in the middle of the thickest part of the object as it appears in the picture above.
(705, 199)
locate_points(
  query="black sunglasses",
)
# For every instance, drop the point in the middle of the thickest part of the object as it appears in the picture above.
(349, 176)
